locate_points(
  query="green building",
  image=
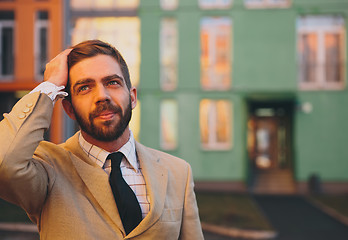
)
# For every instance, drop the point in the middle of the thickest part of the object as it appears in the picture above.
(251, 93)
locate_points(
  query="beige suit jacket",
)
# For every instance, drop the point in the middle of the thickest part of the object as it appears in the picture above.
(69, 197)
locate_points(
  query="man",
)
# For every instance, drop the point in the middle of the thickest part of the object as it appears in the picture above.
(100, 183)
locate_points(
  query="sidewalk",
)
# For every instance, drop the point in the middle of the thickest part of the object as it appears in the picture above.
(238, 233)
(296, 218)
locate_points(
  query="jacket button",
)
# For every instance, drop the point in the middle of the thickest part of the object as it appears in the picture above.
(26, 110)
(29, 105)
(21, 115)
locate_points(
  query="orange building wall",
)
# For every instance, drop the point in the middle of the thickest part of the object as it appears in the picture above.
(24, 76)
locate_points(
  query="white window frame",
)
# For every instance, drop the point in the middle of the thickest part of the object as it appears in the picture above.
(213, 143)
(320, 29)
(3, 24)
(39, 24)
(215, 4)
(111, 4)
(169, 4)
(267, 3)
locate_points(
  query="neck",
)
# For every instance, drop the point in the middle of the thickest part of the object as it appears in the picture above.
(111, 146)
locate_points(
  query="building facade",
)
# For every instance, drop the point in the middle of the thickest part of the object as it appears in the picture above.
(250, 92)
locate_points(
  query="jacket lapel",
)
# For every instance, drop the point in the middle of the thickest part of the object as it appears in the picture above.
(155, 174)
(156, 179)
(95, 179)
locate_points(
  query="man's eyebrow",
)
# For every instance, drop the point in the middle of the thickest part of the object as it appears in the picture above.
(113, 76)
(81, 82)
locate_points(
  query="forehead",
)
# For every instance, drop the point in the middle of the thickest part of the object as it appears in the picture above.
(95, 68)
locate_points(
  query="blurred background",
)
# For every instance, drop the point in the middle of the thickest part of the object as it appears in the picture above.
(252, 93)
(247, 91)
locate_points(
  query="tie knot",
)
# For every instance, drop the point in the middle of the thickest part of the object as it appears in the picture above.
(116, 159)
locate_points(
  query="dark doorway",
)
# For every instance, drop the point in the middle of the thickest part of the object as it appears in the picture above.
(270, 146)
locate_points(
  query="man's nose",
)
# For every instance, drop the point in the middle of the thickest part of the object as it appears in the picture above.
(102, 94)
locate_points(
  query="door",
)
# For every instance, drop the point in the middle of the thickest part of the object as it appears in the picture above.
(269, 136)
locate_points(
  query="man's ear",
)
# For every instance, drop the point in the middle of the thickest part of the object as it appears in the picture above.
(133, 95)
(68, 109)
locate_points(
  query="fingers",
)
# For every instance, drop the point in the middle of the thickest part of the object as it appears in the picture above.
(57, 69)
(62, 54)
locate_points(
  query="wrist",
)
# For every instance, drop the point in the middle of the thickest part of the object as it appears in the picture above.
(51, 90)
(57, 83)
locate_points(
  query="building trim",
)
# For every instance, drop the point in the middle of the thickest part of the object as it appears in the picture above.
(220, 186)
(332, 187)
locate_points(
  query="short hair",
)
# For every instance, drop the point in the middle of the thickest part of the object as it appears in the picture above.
(92, 48)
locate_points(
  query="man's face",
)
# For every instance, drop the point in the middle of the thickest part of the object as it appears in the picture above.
(101, 101)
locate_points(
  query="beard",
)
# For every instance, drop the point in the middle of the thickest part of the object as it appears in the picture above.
(106, 131)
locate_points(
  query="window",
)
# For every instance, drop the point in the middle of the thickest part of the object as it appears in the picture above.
(41, 44)
(321, 52)
(104, 4)
(169, 4)
(215, 53)
(168, 54)
(121, 32)
(215, 4)
(169, 124)
(6, 44)
(267, 3)
(215, 124)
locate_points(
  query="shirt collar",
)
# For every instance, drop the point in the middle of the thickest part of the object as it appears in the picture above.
(99, 155)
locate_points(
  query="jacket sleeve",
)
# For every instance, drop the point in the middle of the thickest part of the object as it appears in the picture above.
(191, 225)
(24, 180)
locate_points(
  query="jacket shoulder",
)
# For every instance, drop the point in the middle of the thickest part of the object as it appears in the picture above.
(166, 158)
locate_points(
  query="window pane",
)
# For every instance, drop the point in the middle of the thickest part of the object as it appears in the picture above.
(43, 50)
(215, 3)
(204, 110)
(169, 4)
(104, 4)
(308, 46)
(169, 124)
(7, 58)
(6, 15)
(117, 32)
(41, 43)
(333, 57)
(223, 132)
(215, 124)
(215, 53)
(42, 15)
(169, 54)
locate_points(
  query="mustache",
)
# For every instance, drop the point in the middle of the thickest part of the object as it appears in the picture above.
(105, 106)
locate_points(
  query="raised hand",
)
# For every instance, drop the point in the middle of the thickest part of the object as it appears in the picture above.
(57, 69)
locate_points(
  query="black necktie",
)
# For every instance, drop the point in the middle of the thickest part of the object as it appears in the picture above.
(126, 201)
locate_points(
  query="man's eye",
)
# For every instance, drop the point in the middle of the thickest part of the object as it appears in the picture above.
(114, 82)
(83, 88)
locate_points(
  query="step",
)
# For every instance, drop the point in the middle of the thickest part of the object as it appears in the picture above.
(274, 181)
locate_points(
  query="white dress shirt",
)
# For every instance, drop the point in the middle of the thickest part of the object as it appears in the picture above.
(130, 168)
